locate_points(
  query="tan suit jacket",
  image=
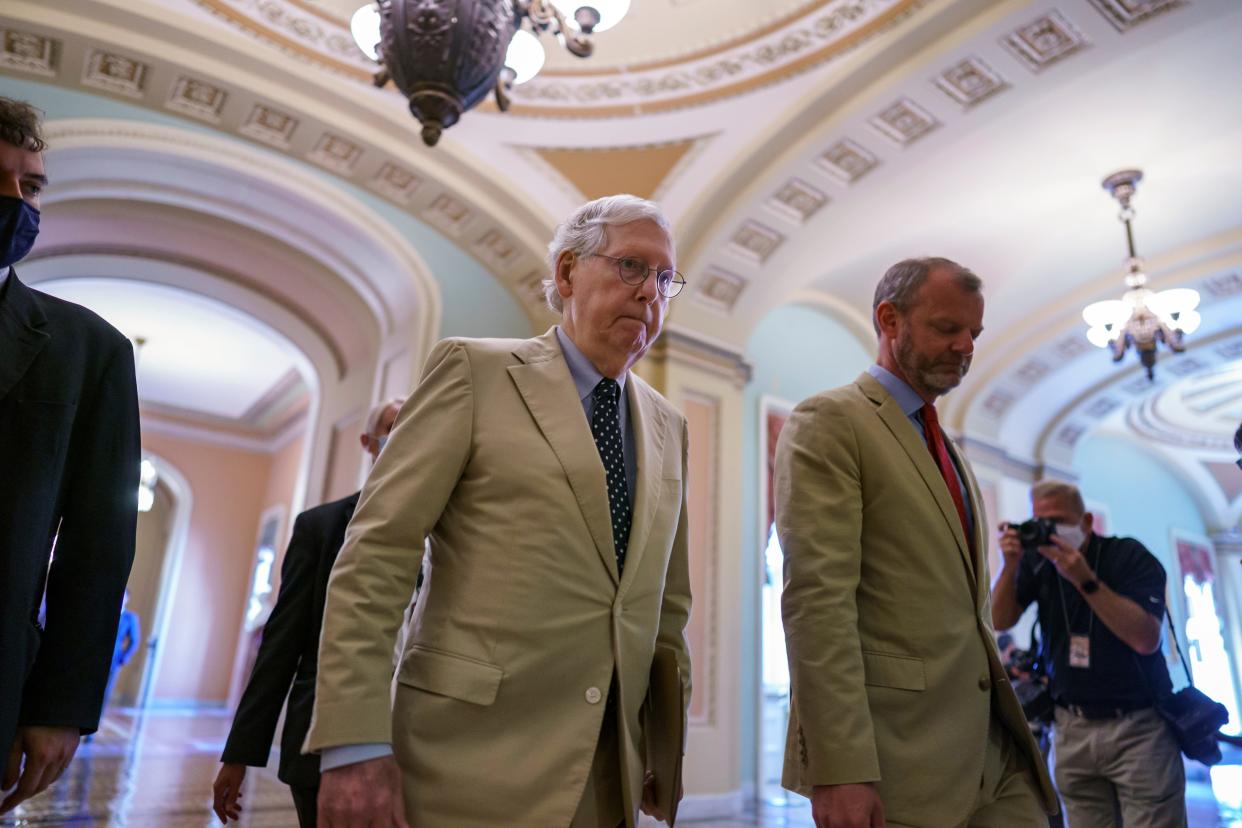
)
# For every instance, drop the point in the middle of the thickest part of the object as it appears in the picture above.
(522, 621)
(892, 659)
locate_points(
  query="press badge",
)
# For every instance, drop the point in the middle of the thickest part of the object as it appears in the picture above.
(1080, 651)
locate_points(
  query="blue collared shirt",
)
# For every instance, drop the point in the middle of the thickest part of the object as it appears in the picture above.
(911, 405)
(586, 377)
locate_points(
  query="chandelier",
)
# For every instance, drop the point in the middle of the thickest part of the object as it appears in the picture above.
(1141, 318)
(446, 55)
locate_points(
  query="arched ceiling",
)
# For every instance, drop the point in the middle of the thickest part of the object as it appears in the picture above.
(653, 30)
(197, 354)
(799, 147)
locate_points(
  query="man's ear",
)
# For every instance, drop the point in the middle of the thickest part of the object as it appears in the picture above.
(1088, 523)
(564, 266)
(886, 318)
(366, 443)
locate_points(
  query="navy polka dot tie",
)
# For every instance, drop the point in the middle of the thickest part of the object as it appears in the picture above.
(606, 429)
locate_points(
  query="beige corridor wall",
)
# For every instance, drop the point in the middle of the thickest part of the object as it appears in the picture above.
(228, 487)
(150, 547)
(282, 481)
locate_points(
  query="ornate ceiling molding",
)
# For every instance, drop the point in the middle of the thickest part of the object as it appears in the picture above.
(365, 254)
(801, 43)
(299, 30)
(779, 207)
(475, 213)
(773, 52)
(1040, 401)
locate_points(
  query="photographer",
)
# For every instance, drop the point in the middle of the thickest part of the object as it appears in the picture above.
(1101, 609)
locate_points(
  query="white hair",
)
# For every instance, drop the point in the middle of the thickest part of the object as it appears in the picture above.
(583, 233)
(1067, 493)
(377, 411)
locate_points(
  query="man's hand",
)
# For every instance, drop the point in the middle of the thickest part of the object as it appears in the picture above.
(47, 752)
(226, 791)
(363, 795)
(1068, 560)
(854, 805)
(1010, 546)
(650, 804)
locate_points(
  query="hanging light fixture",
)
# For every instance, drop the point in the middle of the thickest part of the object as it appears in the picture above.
(600, 15)
(1141, 318)
(523, 59)
(446, 55)
(365, 27)
(147, 478)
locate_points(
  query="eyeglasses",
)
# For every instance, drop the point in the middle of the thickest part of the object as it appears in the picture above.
(634, 271)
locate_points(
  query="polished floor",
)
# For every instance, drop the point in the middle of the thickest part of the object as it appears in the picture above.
(155, 771)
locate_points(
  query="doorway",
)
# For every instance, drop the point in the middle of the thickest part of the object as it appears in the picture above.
(163, 521)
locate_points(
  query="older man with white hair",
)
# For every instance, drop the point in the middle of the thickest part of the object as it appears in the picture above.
(550, 482)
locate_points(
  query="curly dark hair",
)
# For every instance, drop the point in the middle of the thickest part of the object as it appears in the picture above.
(20, 125)
(1237, 439)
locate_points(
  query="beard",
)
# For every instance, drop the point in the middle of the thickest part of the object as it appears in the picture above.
(939, 375)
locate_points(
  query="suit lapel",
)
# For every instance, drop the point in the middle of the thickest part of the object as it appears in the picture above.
(648, 423)
(21, 333)
(548, 390)
(908, 436)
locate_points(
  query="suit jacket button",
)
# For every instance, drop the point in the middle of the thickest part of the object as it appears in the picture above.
(985, 683)
(593, 695)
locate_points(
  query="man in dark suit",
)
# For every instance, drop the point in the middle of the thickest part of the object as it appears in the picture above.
(69, 457)
(290, 650)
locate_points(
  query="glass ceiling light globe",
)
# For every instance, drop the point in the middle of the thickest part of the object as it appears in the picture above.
(1177, 300)
(1188, 322)
(525, 56)
(1101, 337)
(1113, 312)
(610, 13)
(365, 27)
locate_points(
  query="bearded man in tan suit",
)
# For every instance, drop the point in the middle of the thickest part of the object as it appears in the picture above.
(550, 482)
(901, 713)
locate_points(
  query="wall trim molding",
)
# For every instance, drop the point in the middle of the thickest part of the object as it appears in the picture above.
(697, 351)
(153, 424)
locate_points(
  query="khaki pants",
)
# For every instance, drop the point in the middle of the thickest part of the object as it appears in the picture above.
(1125, 771)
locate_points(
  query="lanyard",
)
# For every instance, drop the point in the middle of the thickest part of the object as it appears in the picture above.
(1061, 589)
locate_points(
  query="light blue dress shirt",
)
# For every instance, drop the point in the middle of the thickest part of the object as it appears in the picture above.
(911, 405)
(585, 377)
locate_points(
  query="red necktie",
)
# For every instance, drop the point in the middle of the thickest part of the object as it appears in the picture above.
(935, 442)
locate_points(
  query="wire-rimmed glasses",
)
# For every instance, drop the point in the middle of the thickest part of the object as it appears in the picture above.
(634, 271)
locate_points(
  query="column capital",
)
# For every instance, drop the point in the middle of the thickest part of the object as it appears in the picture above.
(689, 349)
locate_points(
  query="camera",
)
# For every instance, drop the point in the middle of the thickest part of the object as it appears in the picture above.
(1030, 683)
(1035, 532)
(1194, 719)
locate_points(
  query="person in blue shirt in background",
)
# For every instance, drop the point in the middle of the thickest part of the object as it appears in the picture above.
(128, 637)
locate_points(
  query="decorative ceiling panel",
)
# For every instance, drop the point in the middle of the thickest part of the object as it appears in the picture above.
(970, 81)
(1045, 40)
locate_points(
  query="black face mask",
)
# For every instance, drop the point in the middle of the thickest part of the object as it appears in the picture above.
(19, 226)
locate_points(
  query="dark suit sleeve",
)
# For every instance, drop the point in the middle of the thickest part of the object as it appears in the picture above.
(93, 554)
(284, 636)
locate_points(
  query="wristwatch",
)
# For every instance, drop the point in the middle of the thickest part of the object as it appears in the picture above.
(1090, 587)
